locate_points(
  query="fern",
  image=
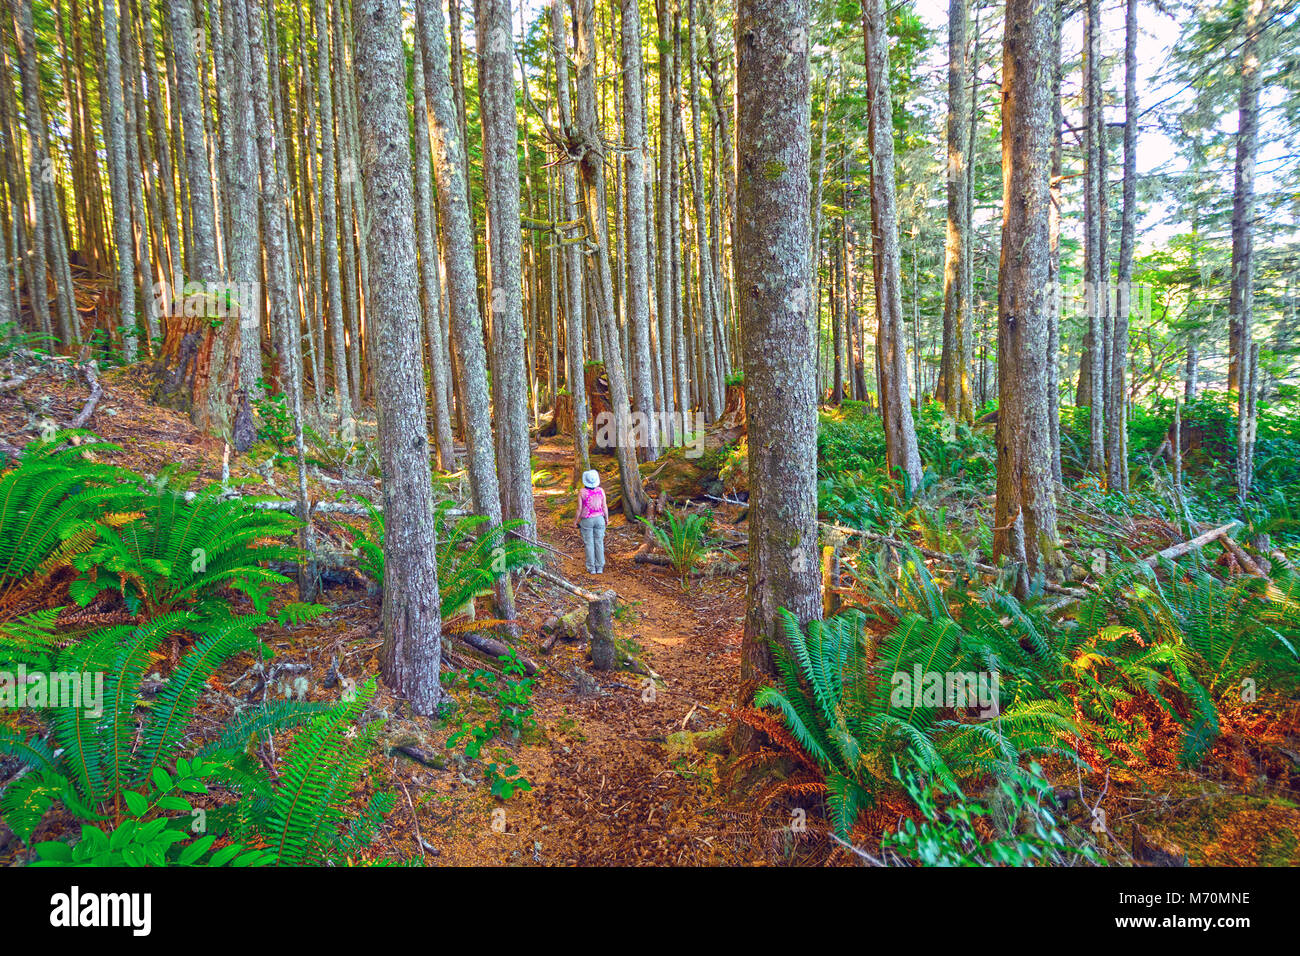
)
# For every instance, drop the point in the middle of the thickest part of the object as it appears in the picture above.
(471, 555)
(182, 552)
(101, 755)
(48, 504)
(309, 808)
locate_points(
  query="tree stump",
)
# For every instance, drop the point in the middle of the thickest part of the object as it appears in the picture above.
(600, 622)
(197, 371)
(733, 411)
(598, 401)
(562, 414)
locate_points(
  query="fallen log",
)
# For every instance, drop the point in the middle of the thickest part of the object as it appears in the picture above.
(1248, 564)
(567, 585)
(494, 649)
(1176, 551)
(96, 393)
(954, 560)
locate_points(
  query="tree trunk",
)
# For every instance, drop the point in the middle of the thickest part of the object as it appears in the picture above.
(954, 368)
(284, 324)
(591, 165)
(1117, 407)
(891, 355)
(1054, 255)
(119, 192)
(1241, 293)
(412, 649)
(245, 252)
(470, 356)
(637, 308)
(1092, 372)
(429, 280)
(704, 250)
(501, 198)
(203, 262)
(1025, 518)
(664, 216)
(329, 232)
(575, 296)
(773, 287)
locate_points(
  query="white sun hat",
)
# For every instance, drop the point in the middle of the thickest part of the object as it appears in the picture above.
(590, 479)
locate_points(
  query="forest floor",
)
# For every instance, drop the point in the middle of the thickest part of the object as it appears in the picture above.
(614, 779)
(616, 775)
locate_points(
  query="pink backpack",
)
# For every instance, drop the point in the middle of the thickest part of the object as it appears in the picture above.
(591, 502)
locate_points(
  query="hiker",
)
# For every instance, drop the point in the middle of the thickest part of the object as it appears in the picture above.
(593, 513)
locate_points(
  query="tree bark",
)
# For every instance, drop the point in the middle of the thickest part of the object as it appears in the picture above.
(245, 252)
(591, 165)
(773, 286)
(462, 295)
(412, 649)
(1054, 255)
(954, 369)
(1117, 407)
(429, 280)
(1092, 372)
(329, 232)
(284, 324)
(1025, 517)
(891, 355)
(501, 198)
(119, 191)
(575, 296)
(637, 309)
(1241, 293)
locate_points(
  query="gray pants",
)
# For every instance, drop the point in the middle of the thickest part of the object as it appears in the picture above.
(593, 540)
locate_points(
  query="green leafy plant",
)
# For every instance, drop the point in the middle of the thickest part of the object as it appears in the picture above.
(684, 539)
(94, 758)
(309, 821)
(274, 421)
(511, 699)
(1027, 829)
(472, 555)
(50, 502)
(181, 551)
(149, 834)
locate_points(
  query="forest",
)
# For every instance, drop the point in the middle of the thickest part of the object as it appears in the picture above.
(660, 433)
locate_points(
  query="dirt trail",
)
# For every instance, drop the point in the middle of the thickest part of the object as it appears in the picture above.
(610, 786)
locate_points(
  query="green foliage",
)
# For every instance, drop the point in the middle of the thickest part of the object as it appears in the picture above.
(110, 755)
(308, 821)
(511, 703)
(32, 640)
(143, 839)
(685, 540)
(334, 453)
(1187, 644)
(49, 504)
(184, 550)
(274, 421)
(100, 755)
(1027, 831)
(472, 555)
